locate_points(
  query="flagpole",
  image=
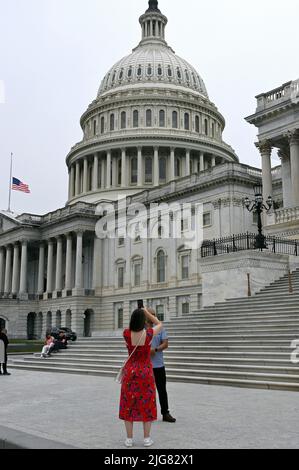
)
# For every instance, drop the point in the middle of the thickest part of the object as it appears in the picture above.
(10, 183)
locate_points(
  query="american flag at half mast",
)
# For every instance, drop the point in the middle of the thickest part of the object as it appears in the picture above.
(18, 185)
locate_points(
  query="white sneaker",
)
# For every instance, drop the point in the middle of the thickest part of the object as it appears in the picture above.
(129, 442)
(148, 442)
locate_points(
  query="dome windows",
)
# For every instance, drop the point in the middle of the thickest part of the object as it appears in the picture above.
(149, 118)
(135, 118)
(174, 120)
(113, 77)
(162, 118)
(121, 74)
(139, 71)
(169, 72)
(197, 124)
(187, 121)
(187, 76)
(206, 127)
(179, 74)
(149, 70)
(130, 72)
(123, 120)
(112, 122)
(134, 170)
(160, 71)
(102, 125)
(148, 170)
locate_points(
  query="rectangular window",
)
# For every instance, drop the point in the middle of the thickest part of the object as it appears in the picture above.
(185, 267)
(160, 312)
(121, 272)
(185, 309)
(120, 318)
(137, 275)
(121, 241)
(207, 219)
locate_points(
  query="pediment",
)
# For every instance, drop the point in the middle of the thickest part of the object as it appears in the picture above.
(7, 222)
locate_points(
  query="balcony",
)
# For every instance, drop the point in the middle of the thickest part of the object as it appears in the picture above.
(288, 91)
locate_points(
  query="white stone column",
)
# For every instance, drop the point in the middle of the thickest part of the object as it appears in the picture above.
(7, 284)
(72, 182)
(79, 253)
(124, 182)
(294, 152)
(50, 267)
(58, 286)
(108, 168)
(2, 266)
(69, 257)
(78, 186)
(114, 171)
(202, 162)
(85, 175)
(140, 167)
(16, 269)
(286, 177)
(265, 149)
(24, 267)
(156, 167)
(172, 164)
(188, 168)
(95, 183)
(102, 173)
(41, 269)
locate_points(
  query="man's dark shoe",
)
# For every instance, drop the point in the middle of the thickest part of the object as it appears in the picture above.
(168, 418)
(6, 373)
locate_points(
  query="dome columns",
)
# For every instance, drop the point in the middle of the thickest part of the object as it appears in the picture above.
(136, 168)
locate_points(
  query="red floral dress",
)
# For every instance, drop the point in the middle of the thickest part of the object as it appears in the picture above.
(138, 391)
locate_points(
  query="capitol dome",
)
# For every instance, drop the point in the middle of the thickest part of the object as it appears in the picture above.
(152, 122)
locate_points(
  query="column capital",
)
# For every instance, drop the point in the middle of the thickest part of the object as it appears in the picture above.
(293, 137)
(265, 147)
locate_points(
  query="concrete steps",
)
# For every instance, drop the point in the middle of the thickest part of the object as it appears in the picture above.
(240, 343)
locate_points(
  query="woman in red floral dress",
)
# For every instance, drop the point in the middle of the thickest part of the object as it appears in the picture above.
(138, 392)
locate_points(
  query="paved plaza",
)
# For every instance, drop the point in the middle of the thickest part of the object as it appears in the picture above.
(82, 412)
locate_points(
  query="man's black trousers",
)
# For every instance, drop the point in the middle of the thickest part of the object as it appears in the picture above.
(160, 377)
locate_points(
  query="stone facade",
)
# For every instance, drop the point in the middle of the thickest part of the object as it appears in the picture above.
(151, 135)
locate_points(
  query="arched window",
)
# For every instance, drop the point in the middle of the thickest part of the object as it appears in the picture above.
(149, 118)
(148, 170)
(169, 72)
(187, 121)
(102, 125)
(149, 70)
(162, 169)
(162, 118)
(161, 266)
(160, 71)
(134, 170)
(213, 130)
(206, 127)
(197, 124)
(174, 120)
(139, 71)
(177, 167)
(135, 119)
(112, 122)
(179, 74)
(121, 74)
(94, 127)
(123, 120)
(130, 72)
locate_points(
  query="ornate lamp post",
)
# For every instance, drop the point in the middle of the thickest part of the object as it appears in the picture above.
(258, 206)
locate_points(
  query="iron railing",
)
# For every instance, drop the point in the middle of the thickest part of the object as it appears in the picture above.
(248, 241)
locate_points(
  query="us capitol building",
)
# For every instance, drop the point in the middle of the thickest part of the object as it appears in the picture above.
(152, 135)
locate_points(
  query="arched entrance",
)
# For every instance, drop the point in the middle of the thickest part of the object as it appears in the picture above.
(58, 319)
(2, 323)
(39, 328)
(68, 319)
(88, 323)
(49, 321)
(31, 323)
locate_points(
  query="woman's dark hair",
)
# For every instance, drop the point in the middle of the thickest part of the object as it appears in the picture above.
(138, 320)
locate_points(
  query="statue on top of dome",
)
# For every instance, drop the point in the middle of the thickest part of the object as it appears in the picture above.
(153, 5)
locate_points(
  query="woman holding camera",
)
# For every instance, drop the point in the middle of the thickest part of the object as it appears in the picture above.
(138, 392)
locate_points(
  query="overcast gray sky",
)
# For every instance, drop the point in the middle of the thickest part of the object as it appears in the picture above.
(54, 53)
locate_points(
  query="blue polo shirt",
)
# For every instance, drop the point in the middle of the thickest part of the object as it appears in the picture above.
(158, 360)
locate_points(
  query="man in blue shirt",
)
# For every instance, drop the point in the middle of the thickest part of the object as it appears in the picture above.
(159, 344)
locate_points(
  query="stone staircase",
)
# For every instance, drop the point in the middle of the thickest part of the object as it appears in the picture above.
(242, 343)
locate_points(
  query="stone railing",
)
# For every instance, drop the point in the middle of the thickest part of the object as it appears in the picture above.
(287, 215)
(80, 207)
(274, 97)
